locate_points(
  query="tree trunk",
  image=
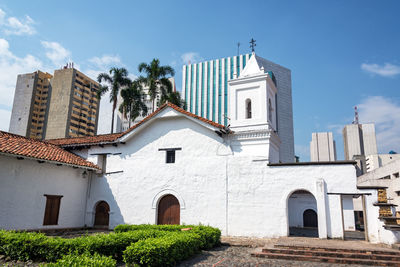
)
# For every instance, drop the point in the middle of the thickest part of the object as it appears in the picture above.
(153, 104)
(112, 121)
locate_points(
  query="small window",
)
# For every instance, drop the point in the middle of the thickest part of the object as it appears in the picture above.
(248, 109)
(52, 209)
(170, 156)
(396, 175)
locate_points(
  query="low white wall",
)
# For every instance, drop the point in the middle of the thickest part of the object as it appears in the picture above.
(23, 184)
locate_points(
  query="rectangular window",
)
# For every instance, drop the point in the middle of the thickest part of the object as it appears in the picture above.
(197, 90)
(208, 90)
(226, 93)
(52, 209)
(186, 84)
(191, 88)
(170, 156)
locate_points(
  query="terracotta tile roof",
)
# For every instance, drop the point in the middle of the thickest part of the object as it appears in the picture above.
(85, 140)
(110, 138)
(25, 147)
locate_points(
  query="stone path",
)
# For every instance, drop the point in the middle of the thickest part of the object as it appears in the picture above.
(225, 256)
(236, 252)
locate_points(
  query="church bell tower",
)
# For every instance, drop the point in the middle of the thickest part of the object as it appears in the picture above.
(252, 113)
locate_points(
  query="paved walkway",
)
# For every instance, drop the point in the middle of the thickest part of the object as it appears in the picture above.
(236, 251)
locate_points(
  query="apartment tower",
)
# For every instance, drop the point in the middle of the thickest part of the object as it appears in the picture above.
(74, 106)
(31, 103)
(58, 106)
(205, 90)
(322, 147)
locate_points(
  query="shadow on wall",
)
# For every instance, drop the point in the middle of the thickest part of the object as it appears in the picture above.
(99, 191)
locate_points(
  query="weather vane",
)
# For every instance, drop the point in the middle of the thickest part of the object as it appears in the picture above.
(252, 44)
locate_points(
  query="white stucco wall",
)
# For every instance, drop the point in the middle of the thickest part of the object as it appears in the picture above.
(23, 184)
(241, 195)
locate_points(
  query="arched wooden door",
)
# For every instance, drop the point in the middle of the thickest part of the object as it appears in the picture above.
(310, 218)
(168, 210)
(102, 215)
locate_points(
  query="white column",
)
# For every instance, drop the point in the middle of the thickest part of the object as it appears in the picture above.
(189, 102)
(211, 89)
(321, 207)
(200, 89)
(194, 77)
(222, 90)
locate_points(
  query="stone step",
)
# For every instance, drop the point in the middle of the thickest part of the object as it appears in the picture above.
(325, 259)
(364, 251)
(337, 254)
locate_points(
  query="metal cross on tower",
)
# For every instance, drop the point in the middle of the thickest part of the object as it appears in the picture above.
(252, 44)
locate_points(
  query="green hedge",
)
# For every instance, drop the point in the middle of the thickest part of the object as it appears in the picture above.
(210, 236)
(163, 251)
(134, 227)
(38, 247)
(82, 260)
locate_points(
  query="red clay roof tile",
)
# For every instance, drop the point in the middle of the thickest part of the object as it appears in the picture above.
(26, 147)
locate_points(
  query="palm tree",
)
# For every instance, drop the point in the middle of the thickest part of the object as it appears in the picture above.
(156, 78)
(174, 98)
(133, 104)
(118, 79)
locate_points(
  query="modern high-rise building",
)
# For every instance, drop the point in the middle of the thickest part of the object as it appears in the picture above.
(74, 105)
(322, 147)
(59, 106)
(205, 90)
(31, 103)
(359, 139)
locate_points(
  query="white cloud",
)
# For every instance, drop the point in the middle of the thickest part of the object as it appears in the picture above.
(385, 113)
(10, 67)
(106, 60)
(56, 53)
(5, 116)
(386, 70)
(191, 57)
(15, 26)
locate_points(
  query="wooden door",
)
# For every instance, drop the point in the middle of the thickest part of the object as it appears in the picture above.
(168, 210)
(310, 218)
(102, 215)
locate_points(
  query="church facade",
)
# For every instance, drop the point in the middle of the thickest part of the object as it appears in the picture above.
(175, 167)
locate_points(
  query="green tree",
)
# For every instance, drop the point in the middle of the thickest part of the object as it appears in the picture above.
(117, 78)
(133, 104)
(156, 79)
(174, 98)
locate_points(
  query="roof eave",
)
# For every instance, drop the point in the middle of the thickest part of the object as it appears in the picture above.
(50, 161)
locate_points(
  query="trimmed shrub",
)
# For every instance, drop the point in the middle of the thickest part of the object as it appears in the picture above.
(86, 259)
(163, 251)
(210, 236)
(134, 227)
(39, 247)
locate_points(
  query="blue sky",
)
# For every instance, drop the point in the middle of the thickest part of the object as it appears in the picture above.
(341, 53)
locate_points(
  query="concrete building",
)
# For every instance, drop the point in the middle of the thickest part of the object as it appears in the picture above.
(59, 106)
(322, 147)
(205, 90)
(31, 103)
(379, 160)
(359, 141)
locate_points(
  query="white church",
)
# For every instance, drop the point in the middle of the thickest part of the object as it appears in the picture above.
(175, 167)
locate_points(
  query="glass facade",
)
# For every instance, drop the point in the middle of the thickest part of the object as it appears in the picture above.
(206, 88)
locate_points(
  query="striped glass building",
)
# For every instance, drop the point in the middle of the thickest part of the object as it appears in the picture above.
(205, 90)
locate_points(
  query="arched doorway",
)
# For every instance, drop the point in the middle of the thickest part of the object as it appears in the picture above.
(102, 215)
(310, 218)
(168, 210)
(302, 215)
